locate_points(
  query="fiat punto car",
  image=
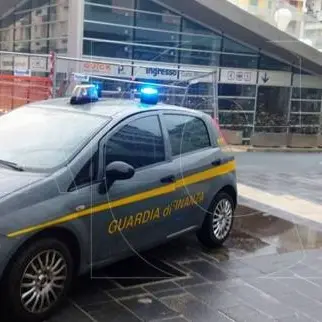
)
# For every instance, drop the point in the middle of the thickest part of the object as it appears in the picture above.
(87, 181)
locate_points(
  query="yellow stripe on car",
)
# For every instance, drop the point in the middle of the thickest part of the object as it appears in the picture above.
(195, 178)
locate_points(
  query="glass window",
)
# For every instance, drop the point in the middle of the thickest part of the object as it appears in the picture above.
(200, 42)
(236, 90)
(58, 45)
(269, 63)
(195, 57)
(231, 46)
(58, 29)
(108, 32)
(22, 46)
(167, 55)
(39, 46)
(187, 133)
(189, 26)
(151, 15)
(149, 37)
(106, 49)
(230, 118)
(88, 173)
(307, 93)
(32, 137)
(272, 108)
(140, 143)
(236, 104)
(304, 119)
(120, 3)
(109, 14)
(238, 61)
(306, 106)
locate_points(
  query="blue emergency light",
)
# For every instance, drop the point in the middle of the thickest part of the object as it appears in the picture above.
(149, 95)
(84, 94)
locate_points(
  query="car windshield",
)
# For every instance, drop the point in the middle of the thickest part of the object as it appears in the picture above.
(42, 139)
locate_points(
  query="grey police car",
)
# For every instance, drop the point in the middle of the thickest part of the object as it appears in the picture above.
(87, 181)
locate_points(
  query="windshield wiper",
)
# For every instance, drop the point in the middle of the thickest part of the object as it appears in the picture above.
(11, 165)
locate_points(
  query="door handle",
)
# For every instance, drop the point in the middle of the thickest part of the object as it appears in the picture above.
(217, 162)
(168, 179)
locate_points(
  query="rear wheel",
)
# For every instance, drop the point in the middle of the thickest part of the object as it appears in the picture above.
(218, 222)
(38, 280)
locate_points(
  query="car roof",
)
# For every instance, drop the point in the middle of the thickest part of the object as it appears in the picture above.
(109, 107)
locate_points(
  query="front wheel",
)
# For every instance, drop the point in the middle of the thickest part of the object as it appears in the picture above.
(38, 280)
(218, 221)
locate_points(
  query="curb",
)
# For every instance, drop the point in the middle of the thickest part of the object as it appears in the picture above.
(232, 148)
(286, 150)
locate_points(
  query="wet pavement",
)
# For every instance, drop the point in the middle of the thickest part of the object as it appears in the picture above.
(268, 270)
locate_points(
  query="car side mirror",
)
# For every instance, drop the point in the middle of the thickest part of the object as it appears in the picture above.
(119, 170)
(115, 171)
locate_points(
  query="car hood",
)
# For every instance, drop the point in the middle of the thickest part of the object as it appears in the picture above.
(11, 180)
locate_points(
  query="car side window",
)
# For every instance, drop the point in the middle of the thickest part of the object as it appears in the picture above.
(186, 133)
(139, 143)
(88, 173)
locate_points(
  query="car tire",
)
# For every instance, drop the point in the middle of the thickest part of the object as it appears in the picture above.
(38, 280)
(218, 221)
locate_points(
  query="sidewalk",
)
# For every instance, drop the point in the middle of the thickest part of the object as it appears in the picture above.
(248, 148)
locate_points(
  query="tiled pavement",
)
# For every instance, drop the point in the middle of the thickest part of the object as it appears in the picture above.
(275, 277)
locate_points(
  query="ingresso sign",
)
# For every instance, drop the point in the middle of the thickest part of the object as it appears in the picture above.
(156, 72)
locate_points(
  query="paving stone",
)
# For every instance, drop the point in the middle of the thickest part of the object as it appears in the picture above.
(208, 271)
(261, 301)
(167, 293)
(69, 313)
(194, 310)
(158, 287)
(244, 313)
(149, 308)
(295, 317)
(111, 312)
(194, 279)
(213, 296)
(121, 293)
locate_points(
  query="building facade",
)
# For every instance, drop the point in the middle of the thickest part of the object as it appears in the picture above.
(256, 91)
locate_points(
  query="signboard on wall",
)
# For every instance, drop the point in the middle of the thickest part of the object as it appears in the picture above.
(21, 63)
(6, 62)
(238, 76)
(38, 64)
(162, 73)
(205, 75)
(105, 69)
(273, 78)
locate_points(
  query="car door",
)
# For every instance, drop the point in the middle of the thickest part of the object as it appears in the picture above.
(136, 216)
(194, 153)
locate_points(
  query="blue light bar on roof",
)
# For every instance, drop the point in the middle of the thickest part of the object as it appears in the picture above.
(84, 94)
(149, 95)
